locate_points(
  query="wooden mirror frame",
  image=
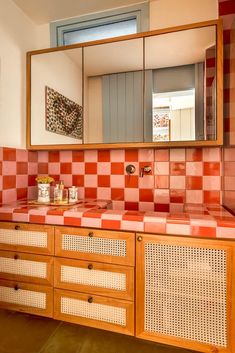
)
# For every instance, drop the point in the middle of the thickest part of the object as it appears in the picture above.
(219, 93)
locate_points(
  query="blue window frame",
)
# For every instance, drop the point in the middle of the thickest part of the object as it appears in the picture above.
(127, 20)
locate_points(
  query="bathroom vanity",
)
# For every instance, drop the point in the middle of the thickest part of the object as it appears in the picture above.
(173, 289)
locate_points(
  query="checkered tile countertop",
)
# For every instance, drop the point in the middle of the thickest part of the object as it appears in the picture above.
(209, 221)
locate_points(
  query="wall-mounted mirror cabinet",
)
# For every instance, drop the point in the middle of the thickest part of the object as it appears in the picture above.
(160, 88)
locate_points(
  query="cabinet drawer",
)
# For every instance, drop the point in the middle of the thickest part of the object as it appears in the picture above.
(100, 312)
(30, 238)
(26, 267)
(93, 277)
(95, 245)
(28, 298)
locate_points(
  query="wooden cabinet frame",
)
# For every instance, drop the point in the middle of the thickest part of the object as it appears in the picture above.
(228, 247)
(219, 93)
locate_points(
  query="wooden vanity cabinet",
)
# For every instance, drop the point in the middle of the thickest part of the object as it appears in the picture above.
(94, 278)
(26, 268)
(185, 295)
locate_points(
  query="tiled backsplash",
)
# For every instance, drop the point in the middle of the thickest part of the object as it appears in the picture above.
(18, 169)
(178, 175)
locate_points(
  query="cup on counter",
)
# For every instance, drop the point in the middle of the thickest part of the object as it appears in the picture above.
(73, 194)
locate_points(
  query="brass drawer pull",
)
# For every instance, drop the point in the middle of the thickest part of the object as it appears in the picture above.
(16, 287)
(90, 267)
(17, 227)
(139, 238)
(90, 300)
(90, 234)
(16, 257)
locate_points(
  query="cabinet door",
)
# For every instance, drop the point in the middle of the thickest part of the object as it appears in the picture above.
(31, 238)
(185, 294)
(95, 245)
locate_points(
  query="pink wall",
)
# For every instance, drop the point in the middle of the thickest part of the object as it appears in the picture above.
(227, 13)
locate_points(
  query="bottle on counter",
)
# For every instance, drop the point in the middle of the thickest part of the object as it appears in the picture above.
(73, 194)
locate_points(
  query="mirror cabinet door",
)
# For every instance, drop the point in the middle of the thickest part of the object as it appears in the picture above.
(113, 92)
(56, 98)
(180, 86)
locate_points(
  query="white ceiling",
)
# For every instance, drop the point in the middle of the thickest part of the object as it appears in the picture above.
(44, 11)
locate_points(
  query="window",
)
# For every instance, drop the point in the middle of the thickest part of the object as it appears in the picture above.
(103, 25)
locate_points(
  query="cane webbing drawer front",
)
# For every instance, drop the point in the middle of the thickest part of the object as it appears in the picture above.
(93, 277)
(95, 311)
(26, 267)
(95, 245)
(28, 298)
(27, 238)
(186, 291)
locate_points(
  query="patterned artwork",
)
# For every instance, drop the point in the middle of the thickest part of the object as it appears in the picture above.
(63, 116)
(161, 124)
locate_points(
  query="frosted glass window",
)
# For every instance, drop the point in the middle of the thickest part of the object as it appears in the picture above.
(100, 32)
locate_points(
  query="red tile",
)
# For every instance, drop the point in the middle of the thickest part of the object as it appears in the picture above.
(9, 182)
(117, 194)
(0, 168)
(22, 193)
(110, 224)
(42, 168)
(103, 180)
(211, 197)
(5, 216)
(9, 154)
(56, 212)
(209, 232)
(37, 219)
(54, 156)
(65, 168)
(132, 206)
(131, 155)
(78, 180)
(178, 218)
(146, 195)
(177, 196)
(131, 181)
(193, 182)
(91, 168)
(32, 156)
(22, 168)
(78, 156)
(117, 168)
(226, 7)
(31, 180)
(177, 168)
(161, 207)
(162, 181)
(136, 216)
(104, 156)
(72, 221)
(94, 213)
(211, 168)
(90, 193)
(0, 196)
(193, 154)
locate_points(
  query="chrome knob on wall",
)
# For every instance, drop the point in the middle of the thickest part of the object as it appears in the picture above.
(130, 169)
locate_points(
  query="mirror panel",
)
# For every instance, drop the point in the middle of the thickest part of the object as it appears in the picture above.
(113, 92)
(56, 98)
(180, 86)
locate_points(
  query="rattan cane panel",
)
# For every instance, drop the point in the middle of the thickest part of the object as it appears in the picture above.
(23, 297)
(95, 245)
(100, 312)
(23, 237)
(23, 267)
(185, 292)
(97, 278)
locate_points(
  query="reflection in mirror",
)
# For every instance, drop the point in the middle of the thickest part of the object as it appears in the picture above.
(113, 92)
(56, 98)
(180, 86)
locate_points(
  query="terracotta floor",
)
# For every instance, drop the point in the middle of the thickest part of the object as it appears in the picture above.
(22, 333)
